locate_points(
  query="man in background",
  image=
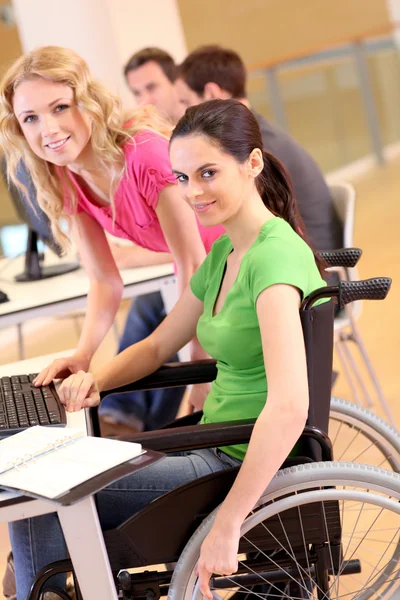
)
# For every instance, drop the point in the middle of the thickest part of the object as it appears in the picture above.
(212, 72)
(150, 75)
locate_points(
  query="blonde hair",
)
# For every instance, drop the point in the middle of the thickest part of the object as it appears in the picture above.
(111, 127)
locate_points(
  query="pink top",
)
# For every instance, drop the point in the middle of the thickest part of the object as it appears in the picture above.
(148, 171)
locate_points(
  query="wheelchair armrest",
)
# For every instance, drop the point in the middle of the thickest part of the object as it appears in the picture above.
(213, 435)
(194, 437)
(167, 376)
(171, 375)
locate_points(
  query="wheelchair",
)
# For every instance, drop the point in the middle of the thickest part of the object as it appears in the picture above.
(322, 529)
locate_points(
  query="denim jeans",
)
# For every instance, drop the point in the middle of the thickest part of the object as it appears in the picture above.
(39, 541)
(152, 408)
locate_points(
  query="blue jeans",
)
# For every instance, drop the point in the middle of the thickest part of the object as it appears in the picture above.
(151, 408)
(39, 541)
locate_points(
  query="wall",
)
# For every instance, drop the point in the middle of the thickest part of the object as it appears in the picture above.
(269, 29)
(10, 49)
(104, 32)
(136, 27)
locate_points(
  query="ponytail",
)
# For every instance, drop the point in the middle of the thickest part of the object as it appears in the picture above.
(276, 190)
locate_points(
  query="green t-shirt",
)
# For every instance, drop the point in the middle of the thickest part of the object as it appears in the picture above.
(232, 337)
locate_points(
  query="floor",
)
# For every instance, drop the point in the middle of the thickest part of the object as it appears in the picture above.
(377, 219)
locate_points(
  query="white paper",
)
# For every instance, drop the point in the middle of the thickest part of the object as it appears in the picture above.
(56, 471)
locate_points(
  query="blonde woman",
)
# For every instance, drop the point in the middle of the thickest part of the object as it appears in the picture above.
(104, 169)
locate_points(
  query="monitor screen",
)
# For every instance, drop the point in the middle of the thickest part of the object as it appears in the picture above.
(28, 208)
(38, 229)
(14, 240)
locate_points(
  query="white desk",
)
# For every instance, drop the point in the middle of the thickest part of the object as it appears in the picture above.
(56, 295)
(79, 522)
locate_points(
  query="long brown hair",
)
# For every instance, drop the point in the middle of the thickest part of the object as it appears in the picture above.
(234, 128)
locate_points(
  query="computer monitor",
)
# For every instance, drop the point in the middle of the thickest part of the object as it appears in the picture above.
(39, 228)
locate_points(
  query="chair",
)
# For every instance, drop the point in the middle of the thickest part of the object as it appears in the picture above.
(345, 328)
(296, 538)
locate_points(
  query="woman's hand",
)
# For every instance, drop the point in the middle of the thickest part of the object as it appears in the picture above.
(62, 368)
(79, 391)
(218, 555)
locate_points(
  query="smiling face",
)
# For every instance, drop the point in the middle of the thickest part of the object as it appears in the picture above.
(214, 184)
(54, 126)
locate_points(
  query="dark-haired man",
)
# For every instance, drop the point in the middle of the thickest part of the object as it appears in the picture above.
(150, 75)
(212, 72)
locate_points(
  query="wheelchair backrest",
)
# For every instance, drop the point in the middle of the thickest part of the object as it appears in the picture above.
(317, 324)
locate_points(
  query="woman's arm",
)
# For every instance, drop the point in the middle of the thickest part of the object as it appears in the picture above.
(275, 433)
(103, 299)
(139, 360)
(131, 256)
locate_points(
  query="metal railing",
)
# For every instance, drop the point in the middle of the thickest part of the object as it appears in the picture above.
(341, 102)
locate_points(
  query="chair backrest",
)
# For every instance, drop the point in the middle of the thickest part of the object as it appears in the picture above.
(344, 200)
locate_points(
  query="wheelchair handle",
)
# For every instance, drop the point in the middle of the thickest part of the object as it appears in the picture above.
(344, 257)
(376, 288)
(368, 289)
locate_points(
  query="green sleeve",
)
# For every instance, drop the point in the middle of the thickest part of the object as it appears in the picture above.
(277, 263)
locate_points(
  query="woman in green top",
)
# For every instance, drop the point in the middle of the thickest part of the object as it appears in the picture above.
(243, 302)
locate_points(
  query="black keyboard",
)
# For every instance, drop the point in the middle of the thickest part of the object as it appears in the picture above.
(23, 405)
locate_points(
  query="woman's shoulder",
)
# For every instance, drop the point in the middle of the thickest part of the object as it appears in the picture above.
(279, 243)
(281, 256)
(146, 141)
(147, 151)
(279, 235)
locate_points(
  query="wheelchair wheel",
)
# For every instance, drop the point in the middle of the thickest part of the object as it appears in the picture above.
(320, 531)
(358, 435)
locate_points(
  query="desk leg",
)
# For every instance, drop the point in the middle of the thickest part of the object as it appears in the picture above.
(21, 352)
(81, 528)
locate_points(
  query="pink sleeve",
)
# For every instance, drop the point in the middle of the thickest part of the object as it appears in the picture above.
(150, 165)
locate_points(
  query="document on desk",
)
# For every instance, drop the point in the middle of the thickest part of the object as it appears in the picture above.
(49, 461)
